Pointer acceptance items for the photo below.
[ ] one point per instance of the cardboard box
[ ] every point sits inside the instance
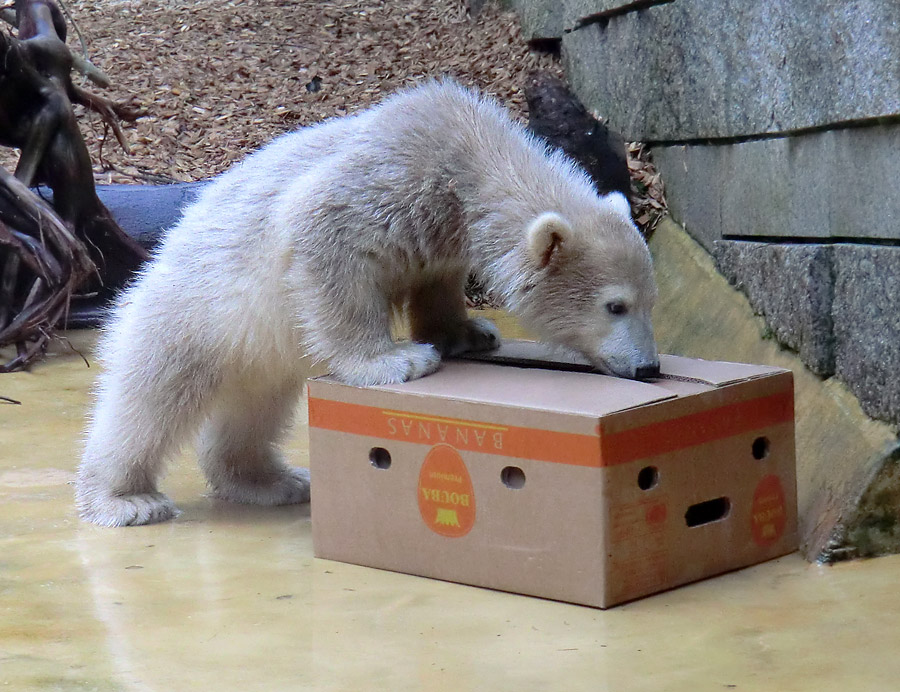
(555, 481)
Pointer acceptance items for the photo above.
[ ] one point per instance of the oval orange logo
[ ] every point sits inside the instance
(656, 514)
(768, 514)
(446, 496)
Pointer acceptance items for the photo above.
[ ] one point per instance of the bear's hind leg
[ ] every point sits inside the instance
(239, 445)
(437, 313)
(147, 403)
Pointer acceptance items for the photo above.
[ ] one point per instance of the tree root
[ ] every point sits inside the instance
(48, 253)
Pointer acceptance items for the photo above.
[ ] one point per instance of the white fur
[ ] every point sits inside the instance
(302, 252)
(617, 202)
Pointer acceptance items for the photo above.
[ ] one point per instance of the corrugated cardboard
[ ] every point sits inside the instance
(535, 475)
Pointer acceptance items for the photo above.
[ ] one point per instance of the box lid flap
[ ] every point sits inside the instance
(577, 393)
(547, 378)
(712, 372)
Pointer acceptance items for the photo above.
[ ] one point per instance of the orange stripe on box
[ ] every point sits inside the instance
(508, 441)
(547, 445)
(698, 428)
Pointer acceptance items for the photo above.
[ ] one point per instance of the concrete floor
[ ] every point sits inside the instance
(230, 598)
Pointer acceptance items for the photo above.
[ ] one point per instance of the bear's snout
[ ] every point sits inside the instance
(646, 371)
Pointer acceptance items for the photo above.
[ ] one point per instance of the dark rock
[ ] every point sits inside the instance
(867, 326)
(791, 287)
(871, 522)
(555, 114)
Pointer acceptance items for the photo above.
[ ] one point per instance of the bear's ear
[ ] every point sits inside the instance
(547, 235)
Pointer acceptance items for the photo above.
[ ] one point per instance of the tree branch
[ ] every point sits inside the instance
(109, 111)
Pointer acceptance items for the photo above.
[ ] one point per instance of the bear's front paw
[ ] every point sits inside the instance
(415, 361)
(125, 510)
(476, 334)
(287, 486)
(404, 362)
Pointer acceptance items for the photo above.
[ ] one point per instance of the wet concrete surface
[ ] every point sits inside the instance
(229, 597)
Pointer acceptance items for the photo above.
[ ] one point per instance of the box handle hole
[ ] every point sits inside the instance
(513, 477)
(380, 458)
(760, 448)
(707, 512)
(648, 477)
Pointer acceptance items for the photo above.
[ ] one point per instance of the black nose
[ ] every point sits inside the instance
(646, 371)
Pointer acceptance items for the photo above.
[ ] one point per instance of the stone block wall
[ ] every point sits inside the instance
(694, 69)
(776, 127)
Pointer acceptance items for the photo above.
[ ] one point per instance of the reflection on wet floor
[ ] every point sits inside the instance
(229, 597)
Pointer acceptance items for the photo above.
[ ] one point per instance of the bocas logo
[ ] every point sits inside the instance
(446, 495)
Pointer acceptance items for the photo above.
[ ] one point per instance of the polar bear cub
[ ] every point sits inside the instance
(302, 252)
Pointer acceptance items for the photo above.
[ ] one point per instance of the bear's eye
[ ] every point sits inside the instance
(616, 307)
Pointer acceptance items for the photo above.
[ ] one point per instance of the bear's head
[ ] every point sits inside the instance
(589, 286)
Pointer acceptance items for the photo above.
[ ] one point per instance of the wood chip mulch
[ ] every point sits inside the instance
(219, 78)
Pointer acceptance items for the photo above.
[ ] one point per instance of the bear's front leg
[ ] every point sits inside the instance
(352, 332)
(437, 313)
(390, 364)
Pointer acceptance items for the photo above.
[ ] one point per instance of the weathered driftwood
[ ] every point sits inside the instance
(48, 253)
(55, 264)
